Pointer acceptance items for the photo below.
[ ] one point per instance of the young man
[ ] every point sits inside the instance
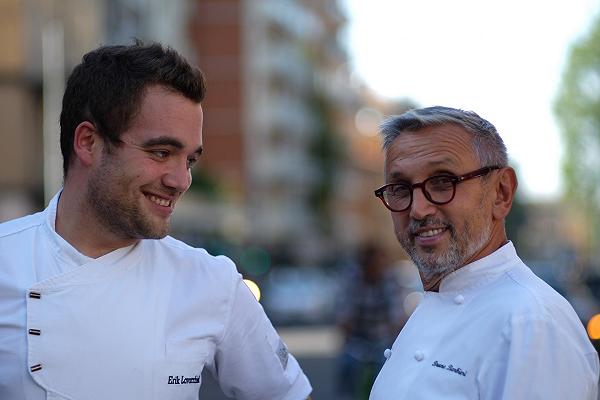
(487, 327)
(96, 301)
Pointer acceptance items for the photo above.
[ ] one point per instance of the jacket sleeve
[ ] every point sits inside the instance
(251, 360)
(537, 358)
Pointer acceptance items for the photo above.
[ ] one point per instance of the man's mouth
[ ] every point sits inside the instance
(159, 201)
(430, 232)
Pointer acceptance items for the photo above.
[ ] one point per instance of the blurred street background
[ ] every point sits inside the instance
(285, 185)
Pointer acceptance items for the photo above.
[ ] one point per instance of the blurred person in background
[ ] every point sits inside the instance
(96, 301)
(369, 315)
(487, 327)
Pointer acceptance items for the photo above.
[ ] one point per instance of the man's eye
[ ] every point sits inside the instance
(398, 190)
(159, 153)
(192, 161)
(440, 182)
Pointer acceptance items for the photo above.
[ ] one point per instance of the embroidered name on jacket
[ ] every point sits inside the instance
(182, 380)
(450, 367)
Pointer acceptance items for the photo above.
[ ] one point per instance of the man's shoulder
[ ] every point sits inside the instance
(20, 225)
(184, 256)
(177, 246)
(527, 285)
(188, 267)
(525, 296)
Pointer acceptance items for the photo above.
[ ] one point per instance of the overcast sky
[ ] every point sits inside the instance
(501, 59)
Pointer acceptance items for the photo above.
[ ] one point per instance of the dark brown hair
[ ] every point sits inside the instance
(106, 89)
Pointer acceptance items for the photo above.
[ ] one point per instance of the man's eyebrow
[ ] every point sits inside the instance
(439, 166)
(163, 141)
(167, 141)
(442, 163)
(397, 176)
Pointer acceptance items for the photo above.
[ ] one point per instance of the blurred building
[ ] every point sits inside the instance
(556, 234)
(270, 66)
(362, 218)
(20, 113)
(286, 128)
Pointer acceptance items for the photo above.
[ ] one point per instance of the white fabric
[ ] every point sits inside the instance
(494, 331)
(138, 323)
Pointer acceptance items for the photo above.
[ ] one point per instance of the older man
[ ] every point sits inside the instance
(96, 301)
(487, 327)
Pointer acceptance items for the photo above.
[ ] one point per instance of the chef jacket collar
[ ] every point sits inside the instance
(482, 271)
(64, 250)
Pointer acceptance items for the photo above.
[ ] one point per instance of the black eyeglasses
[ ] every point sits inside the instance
(438, 189)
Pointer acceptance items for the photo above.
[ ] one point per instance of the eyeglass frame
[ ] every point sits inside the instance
(379, 193)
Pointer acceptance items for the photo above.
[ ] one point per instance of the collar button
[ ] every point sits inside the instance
(459, 299)
(387, 353)
(419, 356)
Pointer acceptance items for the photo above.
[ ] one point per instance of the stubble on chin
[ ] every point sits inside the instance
(130, 222)
(120, 213)
(431, 265)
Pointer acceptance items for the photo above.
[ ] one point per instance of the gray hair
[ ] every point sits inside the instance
(487, 143)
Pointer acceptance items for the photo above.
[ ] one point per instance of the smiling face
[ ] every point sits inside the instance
(441, 238)
(133, 189)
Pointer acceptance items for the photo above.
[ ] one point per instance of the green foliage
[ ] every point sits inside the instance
(326, 153)
(206, 184)
(578, 110)
(516, 220)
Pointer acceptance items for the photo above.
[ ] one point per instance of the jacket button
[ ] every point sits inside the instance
(419, 355)
(387, 353)
(459, 299)
(35, 367)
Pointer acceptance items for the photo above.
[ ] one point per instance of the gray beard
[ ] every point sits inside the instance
(460, 250)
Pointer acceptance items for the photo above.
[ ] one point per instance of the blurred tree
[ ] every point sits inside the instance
(577, 107)
(206, 183)
(516, 219)
(327, 151)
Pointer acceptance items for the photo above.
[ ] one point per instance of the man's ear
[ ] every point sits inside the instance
(86, 143)
(505, 187)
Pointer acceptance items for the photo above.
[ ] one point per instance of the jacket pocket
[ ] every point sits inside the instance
(179, 374)
(188, 350)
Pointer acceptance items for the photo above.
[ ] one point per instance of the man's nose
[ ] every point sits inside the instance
(178, 176)
(421, 207)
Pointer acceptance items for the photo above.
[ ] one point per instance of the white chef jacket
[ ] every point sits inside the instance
(138, 323)
(494, 331)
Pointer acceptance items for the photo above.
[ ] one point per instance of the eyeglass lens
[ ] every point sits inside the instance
(437, 189)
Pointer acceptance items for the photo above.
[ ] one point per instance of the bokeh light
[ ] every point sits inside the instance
(411, 302)
(253, 288)
(593, 327)
(367, 121)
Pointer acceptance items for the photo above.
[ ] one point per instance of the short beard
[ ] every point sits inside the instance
(460, 249)
(118, 215)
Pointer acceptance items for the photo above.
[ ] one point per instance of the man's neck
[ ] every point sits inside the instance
(433, 285)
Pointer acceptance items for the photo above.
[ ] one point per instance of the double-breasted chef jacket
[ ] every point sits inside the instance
(495, 331)
(141, 322)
